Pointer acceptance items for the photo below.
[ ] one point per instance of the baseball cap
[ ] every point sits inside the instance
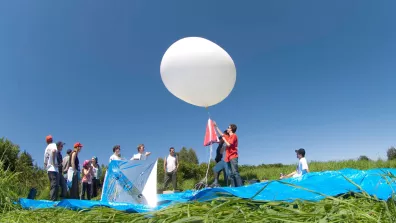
(48, 138)
(300, 151)
(78, 144)
(86, 162)
(69, 151)
(60, 143)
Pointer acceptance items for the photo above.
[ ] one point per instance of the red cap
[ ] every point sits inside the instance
(48, 138)
(77, 144)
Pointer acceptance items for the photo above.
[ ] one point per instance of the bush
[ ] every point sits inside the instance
(8, 154)
(363, 158)
(8, 188)
(391, 153)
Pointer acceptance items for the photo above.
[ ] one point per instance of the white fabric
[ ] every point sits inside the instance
(302, 165)
(139, 156)
(70, 173)
(170, 163)
(192, 68)
(49, 155)
(95, 172)
(114, 157)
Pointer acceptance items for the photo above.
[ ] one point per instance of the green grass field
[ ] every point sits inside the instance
(357, 208)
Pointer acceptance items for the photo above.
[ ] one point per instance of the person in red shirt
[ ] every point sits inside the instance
(231, 156)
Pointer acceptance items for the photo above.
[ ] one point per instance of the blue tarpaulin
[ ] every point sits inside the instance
(313, 187)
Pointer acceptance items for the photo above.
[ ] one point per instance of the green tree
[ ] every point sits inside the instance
(183, 155)
(25, 159)
(24, 163)
(188, 156)
(391, 153)
(192, 156)
(8, 154)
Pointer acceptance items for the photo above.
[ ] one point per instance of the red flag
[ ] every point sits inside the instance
(210, 136)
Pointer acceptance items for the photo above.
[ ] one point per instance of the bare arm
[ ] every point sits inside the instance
(231, 140)
(219, 131)
(53, 156)
(73, 163)
(226, 142)
(289, 175)
(217, 128)
(165, 164)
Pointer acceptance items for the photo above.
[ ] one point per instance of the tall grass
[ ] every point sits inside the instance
(351, 208)
(8, 188)
(272, 171)
(333, 209)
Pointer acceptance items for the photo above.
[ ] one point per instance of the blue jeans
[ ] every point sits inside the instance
(236, 180)
(221, 166)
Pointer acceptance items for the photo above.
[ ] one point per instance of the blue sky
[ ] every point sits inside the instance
(317, 75)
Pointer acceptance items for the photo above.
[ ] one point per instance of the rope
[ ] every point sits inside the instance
(207, 170)
(208, 112)
(210, 154)
(201, 184)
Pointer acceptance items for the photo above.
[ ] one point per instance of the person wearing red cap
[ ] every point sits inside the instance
(74, 171)
(50, 164)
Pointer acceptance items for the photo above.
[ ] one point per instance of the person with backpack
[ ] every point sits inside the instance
(60, 178)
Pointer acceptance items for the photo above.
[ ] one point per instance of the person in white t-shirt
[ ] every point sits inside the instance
(171, 164)
(141, 155)
(116, 153)
(302, 167)
(51, 165)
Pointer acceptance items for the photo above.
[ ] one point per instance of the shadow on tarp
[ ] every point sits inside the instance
(375, 182)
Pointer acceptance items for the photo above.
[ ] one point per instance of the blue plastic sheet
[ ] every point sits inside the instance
(126, 180)
(375, 182)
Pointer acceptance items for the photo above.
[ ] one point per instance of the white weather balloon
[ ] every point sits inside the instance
(198, 71)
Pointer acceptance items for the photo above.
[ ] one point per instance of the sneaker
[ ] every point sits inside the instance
(214, 185)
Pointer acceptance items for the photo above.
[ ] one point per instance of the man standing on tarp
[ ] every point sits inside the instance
(50, 164)
(61, 179)
(231, 156)
(171, 164)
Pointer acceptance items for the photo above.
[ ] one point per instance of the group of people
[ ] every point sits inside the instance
(228, 164)
(64, 173)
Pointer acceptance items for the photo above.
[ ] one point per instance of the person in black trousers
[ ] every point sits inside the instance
(97, 173)
(60, 178)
